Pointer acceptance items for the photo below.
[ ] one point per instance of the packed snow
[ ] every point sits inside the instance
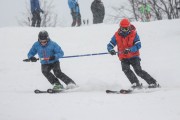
(160, 58)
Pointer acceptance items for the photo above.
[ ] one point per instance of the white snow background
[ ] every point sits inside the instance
(160, 54)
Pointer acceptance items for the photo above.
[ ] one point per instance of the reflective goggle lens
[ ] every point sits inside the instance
(124, 29)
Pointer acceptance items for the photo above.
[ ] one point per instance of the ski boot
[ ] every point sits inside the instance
(57, 87)
(71, 86)
(154, 85)
(137, 86)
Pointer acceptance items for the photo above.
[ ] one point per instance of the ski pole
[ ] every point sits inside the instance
(86, 55)
(72, 56)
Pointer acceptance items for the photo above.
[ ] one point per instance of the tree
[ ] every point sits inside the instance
(115, 14)
(160, 9)
(156, 10)
(49, 18)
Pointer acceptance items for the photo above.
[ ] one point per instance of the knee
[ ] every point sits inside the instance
(125, 69)
(58, 74)
(45, 72)
(139, 72)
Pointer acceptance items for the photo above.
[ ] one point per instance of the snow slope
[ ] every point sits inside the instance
(160, 57)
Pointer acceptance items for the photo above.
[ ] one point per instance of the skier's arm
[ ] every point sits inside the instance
(72, 5)
(58, 51)
(137, 44)
(32, 5)
(32, 52)
(112, 44)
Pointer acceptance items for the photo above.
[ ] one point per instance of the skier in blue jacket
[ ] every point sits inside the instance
(35, 10)
(49, 53)
(75, 12)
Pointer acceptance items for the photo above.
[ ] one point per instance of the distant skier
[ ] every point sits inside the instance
(145, 10)
(36, 10)
(75, 12)
(50, 52)
(128, 45)
(98, 11)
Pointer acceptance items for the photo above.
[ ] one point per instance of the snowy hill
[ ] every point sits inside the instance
(160, 57)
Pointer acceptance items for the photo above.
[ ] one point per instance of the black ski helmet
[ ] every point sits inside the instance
(43, 35)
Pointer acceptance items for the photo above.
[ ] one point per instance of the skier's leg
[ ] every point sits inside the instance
(78, 19)
(46, 68)
(128, 72)
(59, 74)
(135, 62)
(95, 20)
(33, 19)
(74, 19)
(38, 20)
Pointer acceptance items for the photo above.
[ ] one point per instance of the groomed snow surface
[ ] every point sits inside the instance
(160, 58)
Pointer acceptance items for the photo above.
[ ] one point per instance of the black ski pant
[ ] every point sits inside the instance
(135, 63)
(36, 19)
(53, 78)
(76, 19)
(98, 19)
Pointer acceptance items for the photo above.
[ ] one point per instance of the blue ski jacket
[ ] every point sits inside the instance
(74, 6)
(35, 6)
(50, 49)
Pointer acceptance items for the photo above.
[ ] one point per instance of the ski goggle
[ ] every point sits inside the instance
(43, 41)
(124, 29)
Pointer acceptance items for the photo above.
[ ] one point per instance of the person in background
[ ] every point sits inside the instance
(75, 12)
(145, 10)
(36, 10)
(49, 53)
(98, 11)
(128, 45)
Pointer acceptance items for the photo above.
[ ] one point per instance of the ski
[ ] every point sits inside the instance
(122, 91)
(37, 91)
(129, 91)
(51, 91)
(55, 91)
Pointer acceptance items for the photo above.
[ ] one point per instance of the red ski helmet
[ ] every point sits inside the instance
(125, 23)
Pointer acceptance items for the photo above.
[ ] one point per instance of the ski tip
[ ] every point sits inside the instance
(107, 91)
(111, 91)
(37, 91)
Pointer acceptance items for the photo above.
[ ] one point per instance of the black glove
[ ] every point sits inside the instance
(33, 59)
(51, 57)
(126, 51)
(112, 52)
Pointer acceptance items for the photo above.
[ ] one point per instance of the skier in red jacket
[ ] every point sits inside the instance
(128, 45)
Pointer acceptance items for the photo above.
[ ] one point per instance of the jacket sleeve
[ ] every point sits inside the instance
(72, 4)
(58, 51)
(33, 51)
(32, 6)
(137, 44)
(93, 7)
(35, 6)
(111, 44)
